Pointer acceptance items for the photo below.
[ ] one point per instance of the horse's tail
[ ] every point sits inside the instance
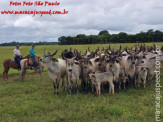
(6, 66)
(24, 65)
(6, 63)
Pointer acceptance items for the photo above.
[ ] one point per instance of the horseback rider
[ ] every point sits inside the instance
(32, 56)
(17, 57)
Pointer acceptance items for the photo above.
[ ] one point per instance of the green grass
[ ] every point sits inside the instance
(34, 100)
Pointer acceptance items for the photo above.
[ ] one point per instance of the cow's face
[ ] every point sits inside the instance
(91, 77)
(112, 60)
(85, 63)
(49, 57)
(100, 61)
(144, 69)
(142, 58)
(132, 58)
(70, 64)
(46, 59)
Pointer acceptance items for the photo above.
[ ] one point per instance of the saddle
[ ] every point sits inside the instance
(13, 61)
(30, 62)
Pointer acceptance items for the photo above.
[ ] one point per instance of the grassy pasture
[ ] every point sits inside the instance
(33, 100)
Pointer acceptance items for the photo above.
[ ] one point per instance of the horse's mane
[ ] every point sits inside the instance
(27, 56)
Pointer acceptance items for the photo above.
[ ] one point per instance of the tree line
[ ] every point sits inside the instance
(104, 37)
(27, 43)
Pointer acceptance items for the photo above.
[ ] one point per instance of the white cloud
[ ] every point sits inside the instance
(87, 17)
(27, 21)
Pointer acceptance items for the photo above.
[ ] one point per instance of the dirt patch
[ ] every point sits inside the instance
(27, 74)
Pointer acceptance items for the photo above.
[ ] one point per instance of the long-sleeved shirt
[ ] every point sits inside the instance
(32, 52)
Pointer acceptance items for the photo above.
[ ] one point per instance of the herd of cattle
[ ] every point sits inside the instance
(99, 68)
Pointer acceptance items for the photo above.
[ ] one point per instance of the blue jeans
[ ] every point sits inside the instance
(17, 60)
(34, 61)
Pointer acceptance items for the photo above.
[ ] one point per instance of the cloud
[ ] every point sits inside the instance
(27, 21)
(86, 17)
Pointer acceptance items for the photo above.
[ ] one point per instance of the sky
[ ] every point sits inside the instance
(84, 17)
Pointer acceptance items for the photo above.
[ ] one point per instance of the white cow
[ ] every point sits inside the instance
(56, 69)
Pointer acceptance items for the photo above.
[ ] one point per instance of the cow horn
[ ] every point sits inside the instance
(75, 54)
(150, 49)
(144, 44)
(85, 53)
(154, 47)
(92, 55)
(117, 53)
(127, 51)
(98, 47)
(103, 49)
(120, 48)
(96, 52)
(109, 48)
(63, 55)
(55, 52)
(44, 51)
(89, 49)
(70, 49)
(138, 51)
(83, 56)
(162, 48)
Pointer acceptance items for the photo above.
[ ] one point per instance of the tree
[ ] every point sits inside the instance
(62, 40)
(104, 32)
(122, 37)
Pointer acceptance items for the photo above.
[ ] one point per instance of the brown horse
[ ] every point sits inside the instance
(9, 63)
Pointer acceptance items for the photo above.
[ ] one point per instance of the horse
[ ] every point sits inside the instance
(28, 64)
(9, 63)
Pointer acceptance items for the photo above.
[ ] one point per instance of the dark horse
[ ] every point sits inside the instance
(10, 63)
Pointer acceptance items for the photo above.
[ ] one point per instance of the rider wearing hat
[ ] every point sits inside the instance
(17, 56)
(32, 55)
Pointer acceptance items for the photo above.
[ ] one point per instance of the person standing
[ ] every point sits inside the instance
(17, 56)
(33, 55)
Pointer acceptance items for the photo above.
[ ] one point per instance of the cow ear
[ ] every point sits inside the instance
(107, 61)
(54, 60)
(147, 68)
(129, 58)
(90, 63)
(81, 61)
(97, 60)
(123, 54)
(88, 76)
(119, 58)
(153, 58)
(141, 68)
(117, 61)
(93, 76)
(90, 71)
(76, 62)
